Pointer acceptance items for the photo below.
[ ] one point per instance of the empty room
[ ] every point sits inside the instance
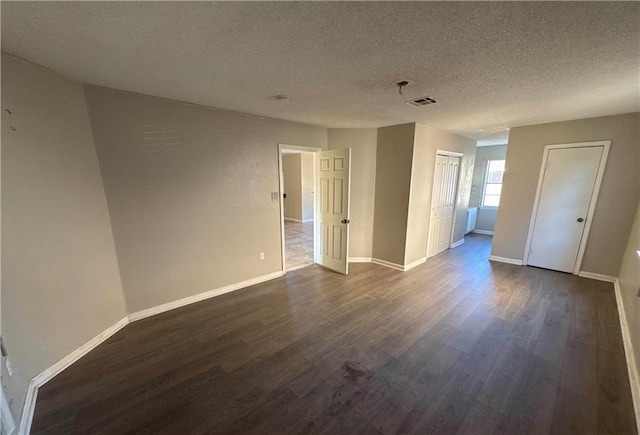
(320, 217)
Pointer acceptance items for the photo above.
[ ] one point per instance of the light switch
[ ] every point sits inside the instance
(275, 196)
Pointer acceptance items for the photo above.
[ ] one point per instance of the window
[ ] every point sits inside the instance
(493, 183)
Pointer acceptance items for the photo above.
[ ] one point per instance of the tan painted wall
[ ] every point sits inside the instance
(307, 186)
(629, 277)
(394, 156)
(618, 195)
(191, 210)
(363, 180)
(60, 280)
(292, 174)
(427, 142)
(486, 216)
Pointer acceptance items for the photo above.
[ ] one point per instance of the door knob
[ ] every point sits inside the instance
(580, 220)
(345, 221)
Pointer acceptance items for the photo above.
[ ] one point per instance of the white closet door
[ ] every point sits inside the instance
(567, 188)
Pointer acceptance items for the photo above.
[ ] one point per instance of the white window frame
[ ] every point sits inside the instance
(485, 178)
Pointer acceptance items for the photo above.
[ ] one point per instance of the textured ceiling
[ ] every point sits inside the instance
(491, 66)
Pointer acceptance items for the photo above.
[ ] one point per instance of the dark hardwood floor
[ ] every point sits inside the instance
(457, 345)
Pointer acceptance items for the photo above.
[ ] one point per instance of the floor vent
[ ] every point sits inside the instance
(422, 101)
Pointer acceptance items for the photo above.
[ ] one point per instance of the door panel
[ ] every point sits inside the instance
(443, 202)
(567, 186)
(334, 173)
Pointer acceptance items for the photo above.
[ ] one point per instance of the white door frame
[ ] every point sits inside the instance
(306, 150)
(455, 198)
(606, 144)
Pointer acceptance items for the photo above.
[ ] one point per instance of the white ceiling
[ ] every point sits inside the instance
(490, 65)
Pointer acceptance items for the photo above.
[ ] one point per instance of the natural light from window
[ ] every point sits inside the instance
(493, 183)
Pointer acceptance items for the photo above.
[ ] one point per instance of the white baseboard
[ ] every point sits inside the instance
(143, 314)
(416, 263)
(359, 259)
(632, 367)
(48, 374)
(303, 221)
(456, 244)
(388, 264)
(400, 267)
(505, 260)
(597, 276)
(488, 233)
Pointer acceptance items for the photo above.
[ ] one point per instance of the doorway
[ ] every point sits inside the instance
(566, 196)
(298, 196)
(322, 236)
(443, 202)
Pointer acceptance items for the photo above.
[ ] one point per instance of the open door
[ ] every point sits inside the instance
(334, 168)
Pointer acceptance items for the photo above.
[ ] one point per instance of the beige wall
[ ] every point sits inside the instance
(190, 207)
(427, 142)
(363, 179)
(307, 173)
(486, 216)
(394, 156)
(618, 197)
(60, 280)
(629, 277)
(292, 174)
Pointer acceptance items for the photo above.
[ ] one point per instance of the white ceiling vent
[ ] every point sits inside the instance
(422, 101)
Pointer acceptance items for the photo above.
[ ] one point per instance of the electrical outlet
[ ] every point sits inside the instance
(7, 364)
(262, 256)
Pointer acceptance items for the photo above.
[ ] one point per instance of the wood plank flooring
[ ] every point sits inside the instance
(457, 345)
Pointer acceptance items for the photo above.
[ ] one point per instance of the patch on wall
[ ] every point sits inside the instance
(159, 140)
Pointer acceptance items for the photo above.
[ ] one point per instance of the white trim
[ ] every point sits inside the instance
(359, 259)
(418, 262)
(306, 150)
(8, 423)
(388, 264)
(298, 220)
(632, 367)
(400, 267)
(605, 144)
(488, 233)
(456, 244)
(485, 175)
(597, 276)
(449, 153)
(48, 374)
(505, 260)
(305, 221)
(143, 314)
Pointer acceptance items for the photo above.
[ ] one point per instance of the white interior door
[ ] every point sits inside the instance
(334, 169)
(443, 202)
(564, 201)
